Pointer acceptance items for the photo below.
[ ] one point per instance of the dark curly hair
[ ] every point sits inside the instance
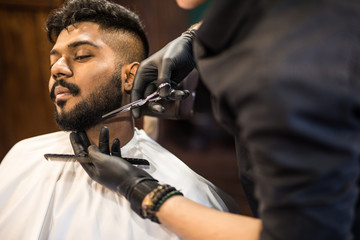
(109, 16)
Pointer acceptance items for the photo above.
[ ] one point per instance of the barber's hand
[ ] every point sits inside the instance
(170, 64)
(112, 171)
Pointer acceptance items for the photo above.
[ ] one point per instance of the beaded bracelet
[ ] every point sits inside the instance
(153, 201)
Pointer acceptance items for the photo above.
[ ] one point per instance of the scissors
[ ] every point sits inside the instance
(138, 103)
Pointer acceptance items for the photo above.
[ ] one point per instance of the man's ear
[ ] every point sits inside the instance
(129, 76)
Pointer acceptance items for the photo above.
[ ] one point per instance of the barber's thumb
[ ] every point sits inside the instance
(96, 155)
(136, 112)
(89, 169)
(77, 145)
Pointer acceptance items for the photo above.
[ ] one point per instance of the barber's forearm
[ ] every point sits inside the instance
(190, 220)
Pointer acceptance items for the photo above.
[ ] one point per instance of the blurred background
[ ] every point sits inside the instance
(26, 109)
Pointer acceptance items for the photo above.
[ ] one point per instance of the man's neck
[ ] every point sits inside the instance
(120, 126)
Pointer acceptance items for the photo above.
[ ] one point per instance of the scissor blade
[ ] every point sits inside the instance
(125, 108)
(150, 98)
(116, 111)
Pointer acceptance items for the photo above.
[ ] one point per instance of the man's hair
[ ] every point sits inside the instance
(110, 16)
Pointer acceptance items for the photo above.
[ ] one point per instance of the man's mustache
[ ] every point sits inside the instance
(74, 90)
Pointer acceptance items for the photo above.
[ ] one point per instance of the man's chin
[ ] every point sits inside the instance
(63, 110)
(69, 121)
(65, 126)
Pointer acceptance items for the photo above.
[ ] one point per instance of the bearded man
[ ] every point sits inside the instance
(97, 49)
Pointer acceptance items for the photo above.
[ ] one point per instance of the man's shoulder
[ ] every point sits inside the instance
(51, 140)
(146, 143)
(36, 147)
(46, 137)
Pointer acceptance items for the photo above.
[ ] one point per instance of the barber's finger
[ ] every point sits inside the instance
(156, 107)
(84, 139)
(145, 74)
(104, 140)
(151, 88)
(136, 112)
(153, 106)
(77, 144)
(135, 96)
(164, 76)
(115, 148)
(178, 94)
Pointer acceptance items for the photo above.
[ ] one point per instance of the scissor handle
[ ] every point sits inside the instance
(163, 85)
(138, 103)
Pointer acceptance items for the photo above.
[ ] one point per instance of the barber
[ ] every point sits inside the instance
(285, 81)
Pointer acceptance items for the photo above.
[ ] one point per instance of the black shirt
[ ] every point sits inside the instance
(285, 79)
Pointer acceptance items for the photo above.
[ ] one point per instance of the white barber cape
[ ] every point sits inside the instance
(42, 199)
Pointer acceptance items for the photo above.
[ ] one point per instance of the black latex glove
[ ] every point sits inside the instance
(112, 171)
(170, 64)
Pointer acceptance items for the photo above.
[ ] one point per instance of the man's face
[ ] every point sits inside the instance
(85, 80)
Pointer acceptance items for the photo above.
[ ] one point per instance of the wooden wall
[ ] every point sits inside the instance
(24, 69)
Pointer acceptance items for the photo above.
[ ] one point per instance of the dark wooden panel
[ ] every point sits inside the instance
(32, 3)
(24, 66)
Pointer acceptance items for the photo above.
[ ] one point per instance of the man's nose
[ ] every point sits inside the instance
(61, 69)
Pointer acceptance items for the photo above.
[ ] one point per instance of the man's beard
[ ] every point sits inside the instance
(89, 111)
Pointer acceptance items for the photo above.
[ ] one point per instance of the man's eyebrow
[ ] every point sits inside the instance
(75, 45)
(53, 52)
(79, 43)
